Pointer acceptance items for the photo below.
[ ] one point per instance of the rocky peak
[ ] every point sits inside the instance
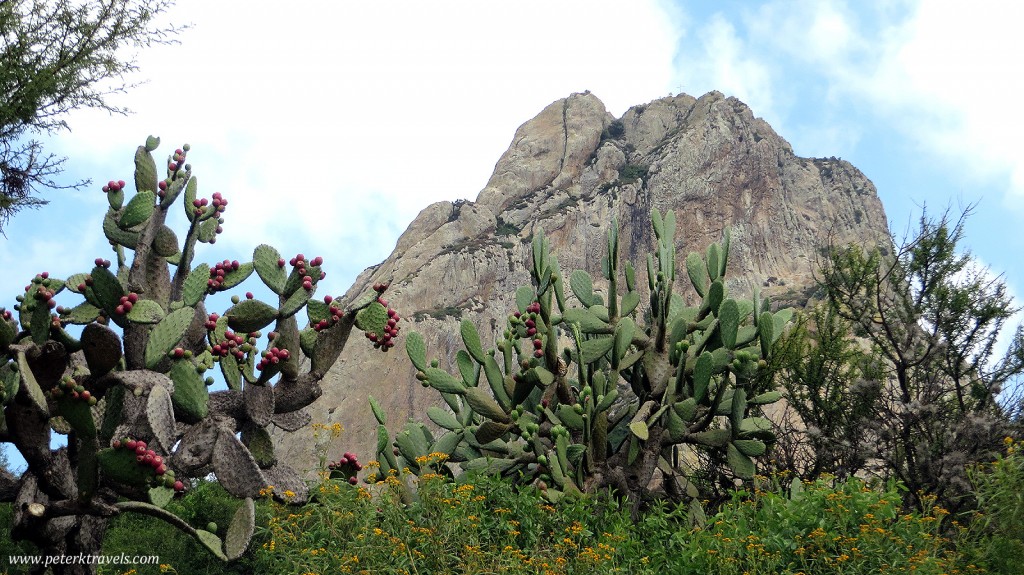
(571, 170)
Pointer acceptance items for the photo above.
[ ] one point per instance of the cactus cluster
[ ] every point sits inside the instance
(600, 391)
(135, 405)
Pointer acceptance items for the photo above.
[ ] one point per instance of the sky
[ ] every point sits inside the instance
(328, 128)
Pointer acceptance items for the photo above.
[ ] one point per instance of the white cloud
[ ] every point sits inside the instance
(722, 60)
(329, 127)
(940, 72)
(951, 72)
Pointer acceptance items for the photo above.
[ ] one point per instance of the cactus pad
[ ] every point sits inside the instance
(250, 315)
(265, 260)
(243, 524)
(235, 467)
(166, 335)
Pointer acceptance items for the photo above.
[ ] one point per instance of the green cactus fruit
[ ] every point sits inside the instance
(166, 335)
(191, 396)
(138, 210)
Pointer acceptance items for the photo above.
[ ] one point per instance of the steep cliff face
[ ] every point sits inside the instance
(570, 171)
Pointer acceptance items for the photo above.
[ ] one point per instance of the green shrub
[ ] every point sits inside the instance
(487, 525)
(994, 538)
(206, 503)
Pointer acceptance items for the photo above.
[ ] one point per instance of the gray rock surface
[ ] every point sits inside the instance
(570, 171)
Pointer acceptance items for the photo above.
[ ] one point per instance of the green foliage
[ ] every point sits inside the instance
(488, 525)
(932, 319)
(630, 173)
(57, 56)
(833, 387)
(602, 395)
(994, 537)
(818, 527)
(207, 502)
(135, 405)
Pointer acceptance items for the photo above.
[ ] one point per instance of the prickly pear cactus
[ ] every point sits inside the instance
(601, 392)
(132, 391)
